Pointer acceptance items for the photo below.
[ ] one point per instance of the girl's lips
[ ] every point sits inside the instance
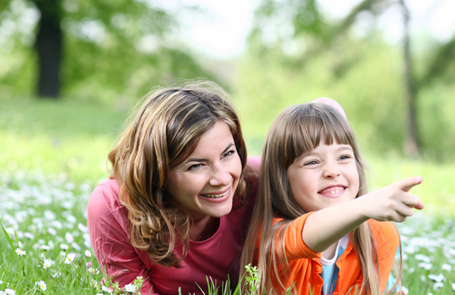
(333, 191)
(217, 197)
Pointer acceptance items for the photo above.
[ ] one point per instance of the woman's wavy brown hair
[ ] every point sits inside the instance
(298, 130)
(161, 134)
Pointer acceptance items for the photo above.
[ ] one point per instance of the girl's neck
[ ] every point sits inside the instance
(204, 228)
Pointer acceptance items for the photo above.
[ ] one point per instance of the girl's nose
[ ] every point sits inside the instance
(220, 177)
(331, 171)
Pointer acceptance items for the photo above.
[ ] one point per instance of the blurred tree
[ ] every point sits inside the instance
(98, 48)
(298, 31)
(48, 46)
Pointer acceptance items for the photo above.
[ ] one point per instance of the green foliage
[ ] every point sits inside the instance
(112, 49)
(364, 76)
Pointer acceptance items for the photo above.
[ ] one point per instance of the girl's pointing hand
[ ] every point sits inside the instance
(393, 202)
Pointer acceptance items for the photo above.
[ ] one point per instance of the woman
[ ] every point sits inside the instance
(175, 207)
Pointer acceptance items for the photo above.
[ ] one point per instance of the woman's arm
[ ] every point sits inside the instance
(107, 225)
(391, 203)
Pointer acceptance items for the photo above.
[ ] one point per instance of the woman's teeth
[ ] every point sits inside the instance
(215, 196)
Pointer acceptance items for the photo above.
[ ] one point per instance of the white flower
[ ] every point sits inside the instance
(446, 267)
(51, 231)
(88, 253)
(131, 288)
(29, 235)
(47, 263)
(424, 265)
(69, 238)
(405, 290)
(82, 227)
(70, 258)
(45, 248)
(423, 258)
(106, 289)
(453, 286)
(93, 270)
(437, 286)
(1, 282)
(19, 252)
(436, 278)
(10, 292)
(42, 285)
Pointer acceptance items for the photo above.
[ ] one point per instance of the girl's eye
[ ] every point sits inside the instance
(312, 162)
(228, 153)
(345, 157)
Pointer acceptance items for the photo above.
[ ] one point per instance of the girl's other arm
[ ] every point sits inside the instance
(391, 203)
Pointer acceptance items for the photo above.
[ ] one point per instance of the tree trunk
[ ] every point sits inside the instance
(411, 140)
(48, 46)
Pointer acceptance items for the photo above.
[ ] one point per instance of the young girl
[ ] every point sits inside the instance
(310, 231)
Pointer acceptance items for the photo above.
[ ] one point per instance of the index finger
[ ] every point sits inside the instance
(408, 183)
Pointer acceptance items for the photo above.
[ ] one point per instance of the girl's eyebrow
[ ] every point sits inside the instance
(345, 147)
(203, 160)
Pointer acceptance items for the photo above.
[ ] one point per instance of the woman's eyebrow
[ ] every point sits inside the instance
(203, 159)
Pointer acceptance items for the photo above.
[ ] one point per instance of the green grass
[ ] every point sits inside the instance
(66, 139)
(53, 153)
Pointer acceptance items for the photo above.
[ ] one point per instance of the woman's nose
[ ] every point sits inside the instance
(220, 177)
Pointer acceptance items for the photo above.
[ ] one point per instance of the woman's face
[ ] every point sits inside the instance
(204, 184)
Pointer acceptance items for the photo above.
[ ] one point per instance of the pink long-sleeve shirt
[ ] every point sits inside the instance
(217, 257)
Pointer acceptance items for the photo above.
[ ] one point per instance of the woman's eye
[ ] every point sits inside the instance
(195, 166)
(228, 153)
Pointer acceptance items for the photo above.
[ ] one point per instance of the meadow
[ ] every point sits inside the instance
(54, 153)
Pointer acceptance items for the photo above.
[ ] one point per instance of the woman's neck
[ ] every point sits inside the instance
(204, 228)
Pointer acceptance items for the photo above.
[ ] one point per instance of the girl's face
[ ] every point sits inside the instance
(324, 177)
(204, 184)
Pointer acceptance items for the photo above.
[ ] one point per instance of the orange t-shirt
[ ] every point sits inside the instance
(305, 268)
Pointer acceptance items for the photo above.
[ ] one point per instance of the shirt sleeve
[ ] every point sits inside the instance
(295, 247)
(107, 225)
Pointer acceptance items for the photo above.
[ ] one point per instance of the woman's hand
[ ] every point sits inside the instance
(393, 202)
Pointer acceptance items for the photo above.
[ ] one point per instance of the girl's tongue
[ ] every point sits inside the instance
(332, 191)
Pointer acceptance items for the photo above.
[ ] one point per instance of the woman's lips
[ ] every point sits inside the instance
(217, 197)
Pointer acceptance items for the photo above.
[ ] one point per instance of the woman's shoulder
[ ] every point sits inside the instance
(104, 198)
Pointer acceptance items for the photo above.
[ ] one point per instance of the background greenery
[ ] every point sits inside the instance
(114, 53)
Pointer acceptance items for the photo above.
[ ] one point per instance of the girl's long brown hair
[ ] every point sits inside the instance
(297, 130)
(163, 132)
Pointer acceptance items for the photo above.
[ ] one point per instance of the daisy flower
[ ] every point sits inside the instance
(47, 263)
(93, 270)
(42, 285)
(106, 289)
(70, 258)
(19, 252)
(131, 288)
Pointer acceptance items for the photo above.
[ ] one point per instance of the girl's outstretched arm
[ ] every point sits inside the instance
(391, 203)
